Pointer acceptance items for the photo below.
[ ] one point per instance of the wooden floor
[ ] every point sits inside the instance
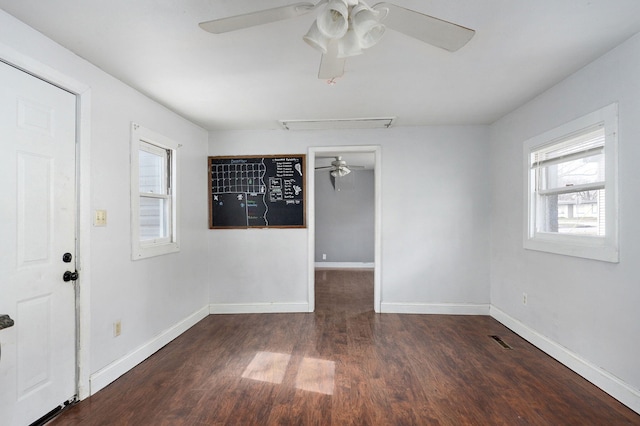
(345, 365)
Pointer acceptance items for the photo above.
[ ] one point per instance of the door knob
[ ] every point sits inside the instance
(6, 321)
(70, 276)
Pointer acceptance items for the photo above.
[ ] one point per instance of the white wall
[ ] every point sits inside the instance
(344, 214)
(151, 297)
(584, 311)
(435, 207)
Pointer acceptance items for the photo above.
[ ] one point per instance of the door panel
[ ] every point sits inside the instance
(37, 226)
(33, 199)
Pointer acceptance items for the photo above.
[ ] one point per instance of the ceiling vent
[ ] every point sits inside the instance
(346, 123)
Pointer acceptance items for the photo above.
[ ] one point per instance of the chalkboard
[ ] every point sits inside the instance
(257, 192)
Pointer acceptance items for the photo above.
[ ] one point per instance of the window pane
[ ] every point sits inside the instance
(574, 172)
(152, 171)
(154, 223)
(574, 213)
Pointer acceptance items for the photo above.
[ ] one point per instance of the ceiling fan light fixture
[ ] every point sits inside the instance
(366, 24)
(340, 172)
(369, 33)
(351, 23)
(333, 21)
(349, 45)
(316, 38)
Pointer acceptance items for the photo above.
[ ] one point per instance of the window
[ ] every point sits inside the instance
(571, 191)
(154, 221)
(569, 185)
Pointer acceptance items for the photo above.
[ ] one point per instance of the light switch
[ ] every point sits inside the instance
(100, 218)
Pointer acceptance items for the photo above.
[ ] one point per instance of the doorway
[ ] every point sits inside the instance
(335, 151)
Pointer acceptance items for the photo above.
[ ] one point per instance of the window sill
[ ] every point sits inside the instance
(144, 252)
(594, 248)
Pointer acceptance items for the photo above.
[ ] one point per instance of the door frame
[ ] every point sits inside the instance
(82, 92)
(376, 150)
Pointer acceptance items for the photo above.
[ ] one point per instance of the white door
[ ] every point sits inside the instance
(37, 227)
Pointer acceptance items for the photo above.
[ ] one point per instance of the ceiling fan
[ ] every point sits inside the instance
(338, 167)
(343, 28)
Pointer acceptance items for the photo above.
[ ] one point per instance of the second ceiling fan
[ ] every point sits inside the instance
(339, 167)
(344, 28)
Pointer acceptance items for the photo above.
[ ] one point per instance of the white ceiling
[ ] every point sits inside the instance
(252, 78)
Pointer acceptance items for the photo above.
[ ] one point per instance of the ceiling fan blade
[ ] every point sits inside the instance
(330, 65)
(434, 31)
(325, 167)
(238, 22)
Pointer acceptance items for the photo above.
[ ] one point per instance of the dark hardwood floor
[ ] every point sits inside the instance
(346, 365)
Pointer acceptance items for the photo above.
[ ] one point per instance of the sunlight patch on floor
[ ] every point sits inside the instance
(316, 375)
(267, 367)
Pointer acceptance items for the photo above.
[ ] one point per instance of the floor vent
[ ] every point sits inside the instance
(501, 342)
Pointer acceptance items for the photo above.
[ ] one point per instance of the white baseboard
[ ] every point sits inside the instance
(258, 308)
(345, 265)
(436, 308)
(599, 377)
(111, 372)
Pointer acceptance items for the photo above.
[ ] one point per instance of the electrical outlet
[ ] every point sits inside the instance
(100, 218)
(117, 328)
(324, 256)
(524, 298)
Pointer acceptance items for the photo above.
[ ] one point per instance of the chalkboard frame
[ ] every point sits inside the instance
(301, 215)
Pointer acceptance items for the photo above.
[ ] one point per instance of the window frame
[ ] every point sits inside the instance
(140, 138)
(603, 248)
